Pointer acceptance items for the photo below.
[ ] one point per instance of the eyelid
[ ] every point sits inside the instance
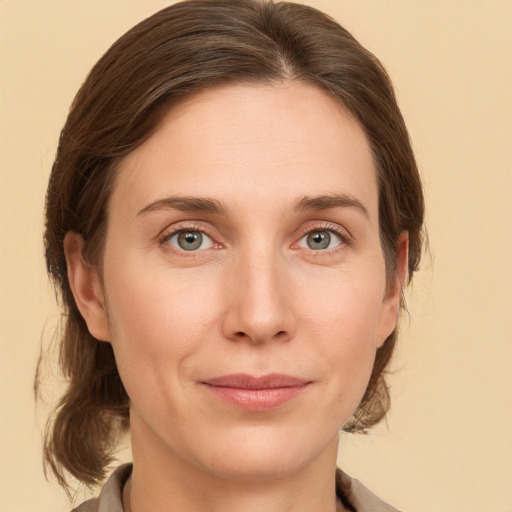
(166, 234)
(303, 241)
(205, 239)
(344, 235)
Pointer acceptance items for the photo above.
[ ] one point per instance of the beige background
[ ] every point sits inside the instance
(448, 443)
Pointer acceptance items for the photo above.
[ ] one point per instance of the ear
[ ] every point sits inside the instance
(86, 287)
(393, 298)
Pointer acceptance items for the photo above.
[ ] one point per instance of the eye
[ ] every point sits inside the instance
(189, 240)
(320, 240)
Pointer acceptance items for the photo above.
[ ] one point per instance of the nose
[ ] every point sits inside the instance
(259, 301)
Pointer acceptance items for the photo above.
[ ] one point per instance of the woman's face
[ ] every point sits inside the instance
(244, 280)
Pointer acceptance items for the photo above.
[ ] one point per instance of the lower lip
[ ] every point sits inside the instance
(256, 399)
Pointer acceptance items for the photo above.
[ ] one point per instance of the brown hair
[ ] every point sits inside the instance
(182, 49)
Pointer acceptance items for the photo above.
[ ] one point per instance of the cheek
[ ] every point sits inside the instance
(344, 320)
(346, 305)
(157, 322)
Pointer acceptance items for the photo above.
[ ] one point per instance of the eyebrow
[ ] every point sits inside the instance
(209, 205)
(327, 202)
(186, 204)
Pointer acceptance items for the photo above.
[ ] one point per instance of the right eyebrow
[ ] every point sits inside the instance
(186, 204)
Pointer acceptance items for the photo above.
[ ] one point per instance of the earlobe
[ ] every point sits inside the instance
(86, 287)
(393, 299)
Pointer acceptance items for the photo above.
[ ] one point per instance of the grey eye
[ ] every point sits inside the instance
(320, 240)
(189, 240)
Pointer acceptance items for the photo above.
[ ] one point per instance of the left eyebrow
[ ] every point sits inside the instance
(186, 204)
(330, 201)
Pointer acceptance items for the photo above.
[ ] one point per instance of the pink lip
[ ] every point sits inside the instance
(256, 393)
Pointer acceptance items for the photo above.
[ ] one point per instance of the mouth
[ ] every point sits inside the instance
(256, 393)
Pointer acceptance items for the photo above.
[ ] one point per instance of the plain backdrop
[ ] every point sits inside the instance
(447, 443)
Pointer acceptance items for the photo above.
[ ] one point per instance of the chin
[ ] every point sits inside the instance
(261, 456)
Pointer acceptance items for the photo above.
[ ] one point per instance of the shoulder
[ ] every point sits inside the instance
(357, 497)
(110, 498)
(87, 506)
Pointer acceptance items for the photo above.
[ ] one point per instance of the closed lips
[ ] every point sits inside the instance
(256, 394)
(243, 381)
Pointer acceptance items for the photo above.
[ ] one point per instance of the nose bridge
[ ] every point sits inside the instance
(259, 307)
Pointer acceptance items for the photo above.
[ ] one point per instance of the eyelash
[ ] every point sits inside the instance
(344, 236)
(167, 235)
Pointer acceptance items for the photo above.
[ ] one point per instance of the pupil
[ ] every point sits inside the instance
(190, 240)
(319, 240)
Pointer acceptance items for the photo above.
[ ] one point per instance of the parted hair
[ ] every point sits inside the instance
(183, 49)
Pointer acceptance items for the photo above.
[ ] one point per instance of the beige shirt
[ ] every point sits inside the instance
(110, 498)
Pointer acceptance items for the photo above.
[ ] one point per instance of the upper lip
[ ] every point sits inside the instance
(244, 381)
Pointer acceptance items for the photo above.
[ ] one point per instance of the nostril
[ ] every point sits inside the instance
(243, 335)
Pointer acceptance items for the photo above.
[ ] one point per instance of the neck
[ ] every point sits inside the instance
(165, 481)
(247, 504)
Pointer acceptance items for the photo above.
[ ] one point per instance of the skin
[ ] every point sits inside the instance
(255, 298)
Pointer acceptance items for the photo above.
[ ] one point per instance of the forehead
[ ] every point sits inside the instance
(278, 141)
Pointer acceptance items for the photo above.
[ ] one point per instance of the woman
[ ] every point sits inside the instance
(232, 214)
